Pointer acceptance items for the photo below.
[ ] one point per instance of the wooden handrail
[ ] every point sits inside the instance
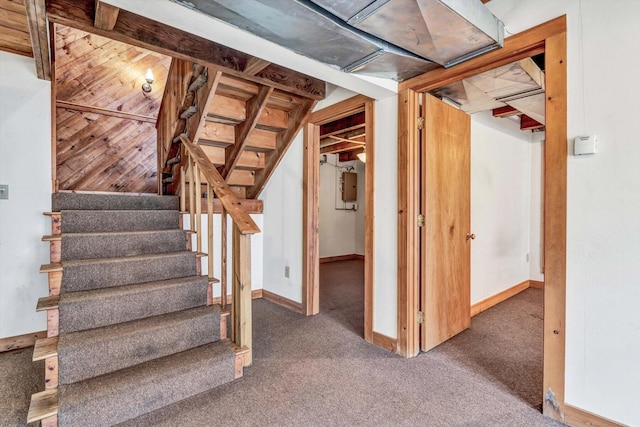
(231, 204)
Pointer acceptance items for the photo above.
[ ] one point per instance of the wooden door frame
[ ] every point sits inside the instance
(549, 38)
(311, 205)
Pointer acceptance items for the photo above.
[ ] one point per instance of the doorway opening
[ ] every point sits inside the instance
(343, 132)
(549, 38)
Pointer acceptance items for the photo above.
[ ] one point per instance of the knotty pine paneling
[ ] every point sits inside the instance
(105, 153)
(14, 29)
(98, 152)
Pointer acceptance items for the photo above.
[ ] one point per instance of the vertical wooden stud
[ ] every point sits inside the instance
(210, 231)
(55, 280)
(223, 259)
(51, 373)
(555, 225)
(183, 191)
(311, 219)
(192, 206)
(197, 194)
(53, 317)
(241, 307)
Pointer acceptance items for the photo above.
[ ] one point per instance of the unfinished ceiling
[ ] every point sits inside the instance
(345, 137)
(105, 123)
(396, 39)
(513, 89)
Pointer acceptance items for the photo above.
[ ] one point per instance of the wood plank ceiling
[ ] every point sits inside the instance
(14, 29)
(105, 123)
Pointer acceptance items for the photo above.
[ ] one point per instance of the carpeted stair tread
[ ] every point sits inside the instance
(84, 201)
(86, 221)
(77, 246)
(82, 275)
(125, 394)
(107, 306)
(94, 352)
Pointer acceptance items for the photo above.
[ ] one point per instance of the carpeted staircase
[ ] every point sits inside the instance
(129, 328)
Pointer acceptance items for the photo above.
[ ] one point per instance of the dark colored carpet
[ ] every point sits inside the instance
(319, 371)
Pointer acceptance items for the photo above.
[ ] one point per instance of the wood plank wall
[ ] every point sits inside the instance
(14, 29)
(106, 136)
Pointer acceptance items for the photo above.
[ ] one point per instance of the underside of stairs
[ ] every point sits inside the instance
(128, 321)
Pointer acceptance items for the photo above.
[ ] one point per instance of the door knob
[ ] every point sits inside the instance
(471, 236)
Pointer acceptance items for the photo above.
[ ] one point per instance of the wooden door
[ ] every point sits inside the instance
(445, 245)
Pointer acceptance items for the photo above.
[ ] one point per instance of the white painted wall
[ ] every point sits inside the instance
(500, 204)
(338, 221)
(537, 204)
(603, 218)
(25, 147)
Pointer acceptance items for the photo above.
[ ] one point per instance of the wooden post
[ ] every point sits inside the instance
(183, 191)
(241, 307)
(210, 231)
(192, 202)
(223, 259)
(197, 194)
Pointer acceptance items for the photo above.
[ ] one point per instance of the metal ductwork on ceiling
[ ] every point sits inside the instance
(395, 39)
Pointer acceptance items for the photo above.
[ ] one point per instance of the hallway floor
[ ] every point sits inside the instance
(313, 371)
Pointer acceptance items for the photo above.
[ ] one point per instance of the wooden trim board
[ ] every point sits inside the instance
(536, 284)
(21, 341)
(349, 257)
(550, 38)
(577, 417)
(385, 342)
(311, 179)
(496, 299)
(284, 302)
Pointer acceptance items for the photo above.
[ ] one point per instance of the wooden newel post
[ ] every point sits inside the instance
(241, 305)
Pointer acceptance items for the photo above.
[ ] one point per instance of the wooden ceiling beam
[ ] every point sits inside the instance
(527, 123)
(39, 33)
(341, 125)
(348, 156)
(143, 32)
(505, 111)
(341, 147)
(255, 65)
(255, 107)
(106, 15)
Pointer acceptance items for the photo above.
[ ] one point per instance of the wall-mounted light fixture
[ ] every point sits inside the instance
(146, 87)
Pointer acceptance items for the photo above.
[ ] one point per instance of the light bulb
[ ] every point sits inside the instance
(149, 76)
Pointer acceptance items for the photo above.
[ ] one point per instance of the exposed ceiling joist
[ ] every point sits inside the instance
(507, 111)
(340, 147)
(527, 123)
(106, 15)
(255, 65)
(39, 32)
(143, 32)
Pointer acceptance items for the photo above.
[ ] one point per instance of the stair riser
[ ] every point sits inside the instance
(109, 245)
(98, 311)
(114, 221)
(82, 277)
(147, 387)
(88, 358)
(79, 201)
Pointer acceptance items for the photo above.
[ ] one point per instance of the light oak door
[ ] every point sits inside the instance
(445, 237)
